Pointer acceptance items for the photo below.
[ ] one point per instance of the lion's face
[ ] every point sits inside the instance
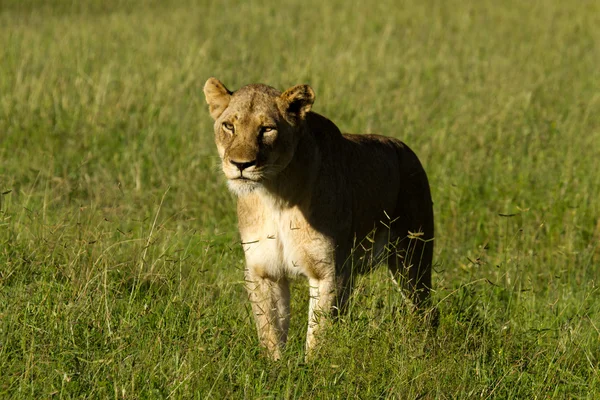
(254, 141)
(256, 130)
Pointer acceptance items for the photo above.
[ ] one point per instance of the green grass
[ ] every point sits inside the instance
(120, 265)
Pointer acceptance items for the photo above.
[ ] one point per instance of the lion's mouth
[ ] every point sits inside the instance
(243, 184)
(247, 176)
(243, 178)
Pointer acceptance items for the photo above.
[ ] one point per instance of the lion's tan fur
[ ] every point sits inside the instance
(309, 198)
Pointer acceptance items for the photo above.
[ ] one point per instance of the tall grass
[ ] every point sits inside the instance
(120, 265)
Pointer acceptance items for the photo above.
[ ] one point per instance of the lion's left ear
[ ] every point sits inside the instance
(297, 101)
(217, 97)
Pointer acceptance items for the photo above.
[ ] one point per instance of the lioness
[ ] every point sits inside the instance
(315, 202)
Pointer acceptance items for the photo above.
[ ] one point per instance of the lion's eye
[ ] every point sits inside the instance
(228, 127)
(267, 129)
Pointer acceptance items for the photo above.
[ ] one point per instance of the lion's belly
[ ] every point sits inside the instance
(304, 250)
(283, 243)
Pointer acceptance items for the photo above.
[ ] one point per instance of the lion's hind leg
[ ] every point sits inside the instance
(409, 261)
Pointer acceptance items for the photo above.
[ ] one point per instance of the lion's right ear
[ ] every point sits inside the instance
(297, 101)
(217, 97)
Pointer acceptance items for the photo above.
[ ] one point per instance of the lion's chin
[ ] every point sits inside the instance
(241, 187)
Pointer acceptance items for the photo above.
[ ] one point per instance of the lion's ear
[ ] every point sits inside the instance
(217, 97)
(297, 101)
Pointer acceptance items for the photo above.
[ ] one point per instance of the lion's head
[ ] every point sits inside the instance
(257, 129)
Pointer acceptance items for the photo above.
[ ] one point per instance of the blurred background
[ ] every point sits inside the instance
(120, 265)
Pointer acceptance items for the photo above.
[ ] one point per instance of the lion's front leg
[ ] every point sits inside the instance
(322, 297)
(270, 304)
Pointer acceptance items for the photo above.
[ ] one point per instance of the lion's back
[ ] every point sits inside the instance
(368, 178)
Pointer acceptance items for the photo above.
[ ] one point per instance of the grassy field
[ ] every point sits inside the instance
(120, 265)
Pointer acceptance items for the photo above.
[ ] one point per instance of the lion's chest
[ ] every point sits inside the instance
(281, 242)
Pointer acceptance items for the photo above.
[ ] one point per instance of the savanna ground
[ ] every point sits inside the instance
(120, 265)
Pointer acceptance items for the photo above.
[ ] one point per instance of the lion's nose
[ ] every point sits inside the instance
(242, 165)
